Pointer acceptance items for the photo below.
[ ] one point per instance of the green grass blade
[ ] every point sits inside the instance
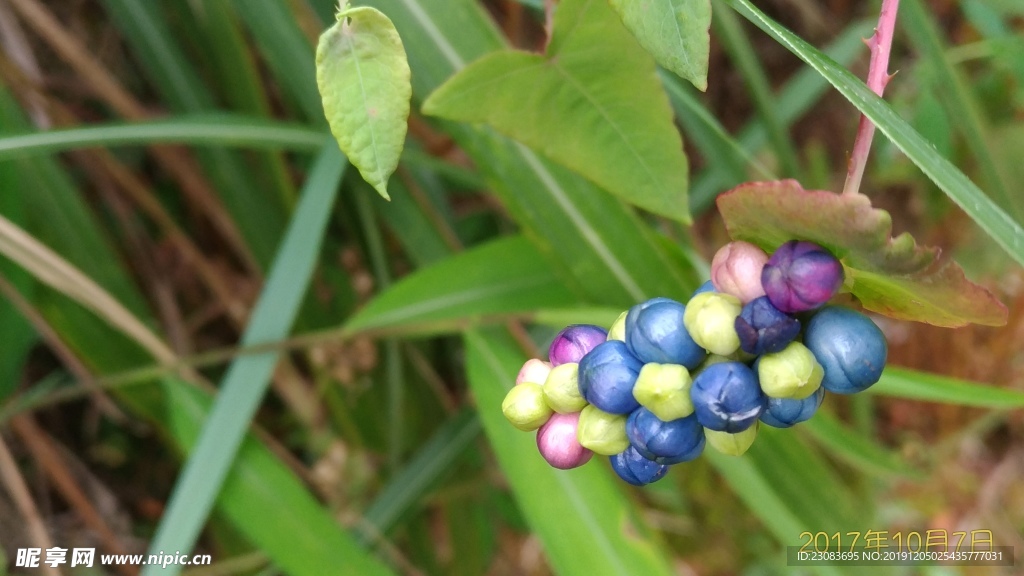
(858, 451)
(985, 213)
(959, 101)
(503, 277)
(582, 517)
(192, 129)
(903, 383)
(266, 501)
(288, 53)
(433, 459)
(738, 46)
(246, 380)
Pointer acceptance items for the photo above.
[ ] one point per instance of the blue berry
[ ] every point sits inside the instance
(655, 333)
(670, 442)
(801, 276)
(785, 412)
(727, 398)
(632, 467)
(763, 328)
(606, 376)
(849, 346)
(708, 286)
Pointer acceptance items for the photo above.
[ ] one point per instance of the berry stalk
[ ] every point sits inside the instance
(880, 44)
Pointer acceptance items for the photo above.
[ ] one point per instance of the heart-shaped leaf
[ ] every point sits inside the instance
(364, 82)
(675, 32)
(891, 276)
(593, 102)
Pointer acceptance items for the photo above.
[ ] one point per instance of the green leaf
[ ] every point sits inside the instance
(246, 380)
(891, 276)
(364, 82)
(585, 522)
(985, 213)
(502, 277)
(903, 383)
(675, 32)
(265, 499)
(594, 80)
(859, 451)
(193, 129)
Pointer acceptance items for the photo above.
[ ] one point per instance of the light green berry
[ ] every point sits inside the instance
(791, 373)
(562, 389)
(710, 319)
(731, 444)
(618, 329)
(664, 389)
(601, 432)
(524, 406)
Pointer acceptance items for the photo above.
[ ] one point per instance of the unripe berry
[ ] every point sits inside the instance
(557, 442)
(573, 343)
(732, 444)
(524, 406)
(736, 269)
(670, 442)
(562, 390)
(664, 389)
(791, 373)
(655, 333)
(786, 412)
(801, 276)
(763, 329)
(602, 432)
(632, 467)
(618, 329)
(607, 375)
(727, 398)
(849, 346)
(710, 318)
(534, 370)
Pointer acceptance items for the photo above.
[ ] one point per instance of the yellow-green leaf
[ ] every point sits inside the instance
(365, 86)
(593, 102)
(675, 32)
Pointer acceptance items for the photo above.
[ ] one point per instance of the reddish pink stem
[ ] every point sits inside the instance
(880, 44)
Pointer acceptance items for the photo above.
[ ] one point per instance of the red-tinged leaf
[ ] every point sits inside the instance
(891, 276)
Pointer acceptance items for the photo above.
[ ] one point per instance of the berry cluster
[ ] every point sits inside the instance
(755, 343)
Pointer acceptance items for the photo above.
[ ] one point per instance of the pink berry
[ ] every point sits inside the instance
(557, 442)
(736, 270)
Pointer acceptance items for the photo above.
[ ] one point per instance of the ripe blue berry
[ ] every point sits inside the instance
(606, 377)
(785, 412)
(763, 328)
(655, 333)
(727, 398)
(573, 343)
(849, 346)
(632, 467)
(801, 276)
(670, 442)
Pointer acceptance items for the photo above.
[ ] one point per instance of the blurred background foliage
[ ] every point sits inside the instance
(175, 216)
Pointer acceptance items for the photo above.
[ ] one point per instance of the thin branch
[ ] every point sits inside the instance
(16, 487)
(880, 44)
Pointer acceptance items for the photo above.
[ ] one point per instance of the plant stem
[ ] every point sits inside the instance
(880, 44)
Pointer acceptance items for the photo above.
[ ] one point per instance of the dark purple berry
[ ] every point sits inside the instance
(573, 343)
(763, 328)
(801, 276)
